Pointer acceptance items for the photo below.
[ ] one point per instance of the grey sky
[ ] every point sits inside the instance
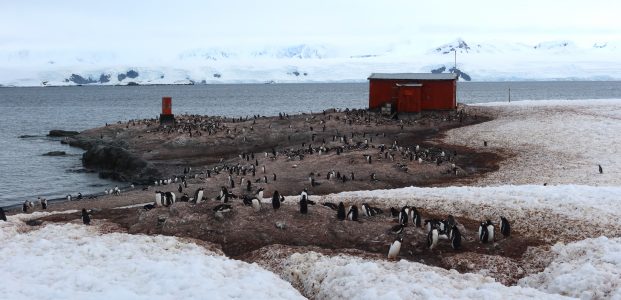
(173, 25)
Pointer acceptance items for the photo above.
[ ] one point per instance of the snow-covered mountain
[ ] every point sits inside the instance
(485, 61)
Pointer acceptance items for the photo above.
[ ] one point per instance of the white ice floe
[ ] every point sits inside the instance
(77, 262)
(588, 269)
(347, 277)
(554, 141)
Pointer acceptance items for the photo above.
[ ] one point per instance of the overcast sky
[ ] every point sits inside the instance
(114, 24)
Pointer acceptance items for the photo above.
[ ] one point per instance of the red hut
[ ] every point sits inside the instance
(413, 92)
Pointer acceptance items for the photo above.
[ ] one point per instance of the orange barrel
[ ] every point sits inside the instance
(167, 105)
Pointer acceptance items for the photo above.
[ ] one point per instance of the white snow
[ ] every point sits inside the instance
(554, 141)
(77, 262)
(348, 277)
(313, 62)
(588, 269)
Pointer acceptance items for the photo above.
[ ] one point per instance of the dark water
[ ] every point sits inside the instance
(34, 111)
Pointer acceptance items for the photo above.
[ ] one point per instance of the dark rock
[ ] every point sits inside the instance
(119, 164)
(103, 78)
(120, 77)
(55, 153)
(62, 133)
(34, 222)
(131, 83)
(75, 78)
(217, 75)
(25, 136)
(132, 74)
(438, 70)
(460, 73)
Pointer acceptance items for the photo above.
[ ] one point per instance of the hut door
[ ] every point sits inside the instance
(409, 99)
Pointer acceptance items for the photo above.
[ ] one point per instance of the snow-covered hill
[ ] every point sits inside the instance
(485, 61)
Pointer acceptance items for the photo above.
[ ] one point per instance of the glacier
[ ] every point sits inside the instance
(304, 62)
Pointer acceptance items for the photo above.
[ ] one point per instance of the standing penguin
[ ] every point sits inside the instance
(432, 237)
(25, 207)
(44, 203)
(416, 219)
(2, 214)
(395, 248)
(198, 195)
(259, 193)
(86, 219)
(276, 200)
(483, 234)
(158, 198)
(340, 212)
(600, 169)
(455, 237)
(490, 231)
(505, 228)
(366, 211)
(403, 216)
(352, 215)
(303, 205)
(180, 189)
(256, 204)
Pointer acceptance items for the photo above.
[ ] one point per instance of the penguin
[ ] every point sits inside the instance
(25, 207)
(490, 231)
(260, 193)
(68, 197)
(340, 213)
(276, 200)
(304, 194)
(397, 229)
(198, 195)
(256, 204)
(432, 237)
(450, 222)
(505, 228)
(394, 212)
(303, 205)
(168, 199)
(403, 216)
(185, 198)
(395, 248)
(148, 207)
(44, 203)
(86, 219)
(224, 195)
(248, 186)
(158, 198)
(2, 214)
(222, 208)
(416, 219)
(600, 169)
(330, 205)
(455, 237)
(366, 211)
(180, 189)
(352, 214)
(483, 234)
(376, 211)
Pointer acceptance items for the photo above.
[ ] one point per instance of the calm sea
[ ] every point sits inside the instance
(26, 173)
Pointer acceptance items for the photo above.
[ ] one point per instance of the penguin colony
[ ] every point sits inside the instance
(244, 172)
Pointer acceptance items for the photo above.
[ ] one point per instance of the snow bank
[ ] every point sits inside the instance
(72, 261)
(589, 269)
(591, 211)
(348, 277)
(554, 141)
